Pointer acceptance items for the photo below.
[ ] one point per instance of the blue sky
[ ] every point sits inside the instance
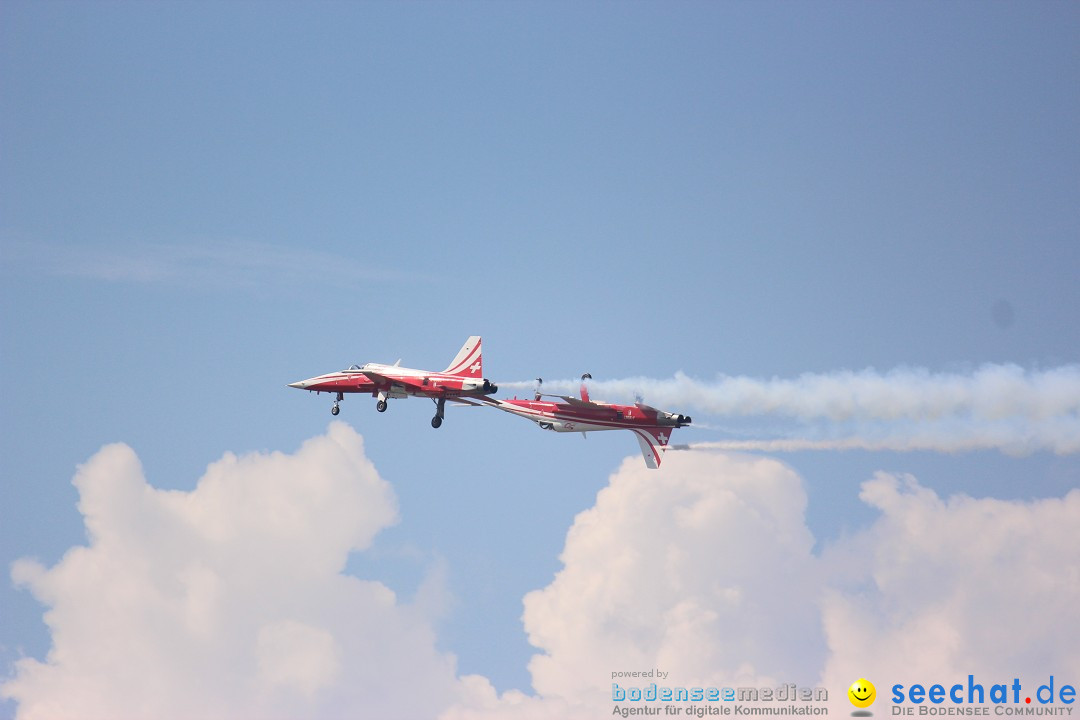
(201, 203)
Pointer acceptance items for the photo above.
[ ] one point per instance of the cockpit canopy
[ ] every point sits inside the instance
(352, 368)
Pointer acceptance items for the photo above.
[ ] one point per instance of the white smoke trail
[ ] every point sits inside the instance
(1019, 444)
(996, 406)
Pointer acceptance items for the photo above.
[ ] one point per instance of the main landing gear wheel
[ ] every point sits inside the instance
(381, 406)
(440, 409)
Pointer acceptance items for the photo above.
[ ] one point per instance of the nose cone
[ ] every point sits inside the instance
(300, 384)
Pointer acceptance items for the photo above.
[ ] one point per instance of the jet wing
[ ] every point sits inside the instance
(405, 382)
(379, 378)
(576, 402)
(653, 442)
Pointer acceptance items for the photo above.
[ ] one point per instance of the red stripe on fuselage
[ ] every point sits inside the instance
(340, 382)
(601, 418)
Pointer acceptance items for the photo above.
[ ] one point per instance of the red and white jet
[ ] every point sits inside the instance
(463, 378)
(651, 426)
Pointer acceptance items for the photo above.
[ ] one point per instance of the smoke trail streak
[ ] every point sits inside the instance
(996, 406)
(1012, 445)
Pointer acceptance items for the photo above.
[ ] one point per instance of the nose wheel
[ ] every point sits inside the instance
(381, 406)
(335, 409)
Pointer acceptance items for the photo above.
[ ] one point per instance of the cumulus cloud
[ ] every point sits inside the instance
(996, 406)
(230, 600)
(940, 588)
(705, 570)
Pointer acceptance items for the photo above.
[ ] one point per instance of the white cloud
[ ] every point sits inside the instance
(704, 570)
(937, 589)
(229, 600)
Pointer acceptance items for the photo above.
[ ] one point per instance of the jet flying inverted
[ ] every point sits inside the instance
(463, 378)
(652, 427)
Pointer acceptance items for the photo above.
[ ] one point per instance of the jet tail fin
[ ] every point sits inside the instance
(653, 442)
(467, 363)
(584, 388)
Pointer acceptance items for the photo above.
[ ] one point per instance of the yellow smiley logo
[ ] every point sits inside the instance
(862, 693)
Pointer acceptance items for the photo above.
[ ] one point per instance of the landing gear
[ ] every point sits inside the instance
(440, 408)
(381, 406)
(335, 410)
